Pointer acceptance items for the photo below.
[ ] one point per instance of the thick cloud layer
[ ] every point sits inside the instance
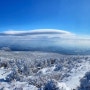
(41, 38)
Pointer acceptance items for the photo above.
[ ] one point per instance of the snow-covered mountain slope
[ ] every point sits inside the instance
(42, 71)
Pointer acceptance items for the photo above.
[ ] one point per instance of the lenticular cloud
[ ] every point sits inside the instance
(39, 32)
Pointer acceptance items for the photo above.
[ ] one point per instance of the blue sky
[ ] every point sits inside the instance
(70, 15)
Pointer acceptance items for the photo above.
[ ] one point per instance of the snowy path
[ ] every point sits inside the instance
(4, 73)
(73, 81)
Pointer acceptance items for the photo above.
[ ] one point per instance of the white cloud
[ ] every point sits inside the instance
(47, 36)
(50, 33)
(37, 30)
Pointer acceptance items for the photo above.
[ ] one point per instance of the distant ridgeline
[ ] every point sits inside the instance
(67, 51)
